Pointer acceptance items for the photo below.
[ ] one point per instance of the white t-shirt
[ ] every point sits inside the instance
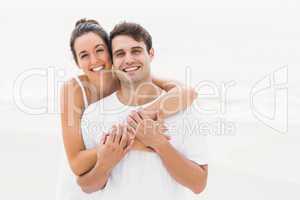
(141, 174)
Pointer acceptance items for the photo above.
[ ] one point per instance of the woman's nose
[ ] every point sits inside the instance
(94, 59)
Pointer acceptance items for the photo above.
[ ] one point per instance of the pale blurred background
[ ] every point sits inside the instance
(246, 45)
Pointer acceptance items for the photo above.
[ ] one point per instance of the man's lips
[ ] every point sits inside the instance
(131, 69)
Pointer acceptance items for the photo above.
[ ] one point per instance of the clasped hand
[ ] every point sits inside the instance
(150, 132)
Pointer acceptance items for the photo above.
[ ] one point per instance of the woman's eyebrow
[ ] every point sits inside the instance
(81, 52)
(117, 51)
(98, 45)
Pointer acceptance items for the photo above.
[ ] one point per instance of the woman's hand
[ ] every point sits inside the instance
(148, 131)
(114, 146)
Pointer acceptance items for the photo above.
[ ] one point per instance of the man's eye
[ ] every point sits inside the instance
(136, 51)
(99, 50)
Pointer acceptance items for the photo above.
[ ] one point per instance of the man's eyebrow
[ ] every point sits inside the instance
(137, 47)
(121, 50)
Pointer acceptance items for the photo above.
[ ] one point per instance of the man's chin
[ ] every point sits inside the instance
(128, 79)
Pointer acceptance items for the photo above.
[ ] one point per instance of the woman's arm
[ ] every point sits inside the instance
(93, 180)
(177, 98)
(80, 159)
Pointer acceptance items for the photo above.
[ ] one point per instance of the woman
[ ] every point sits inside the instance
(90, 48)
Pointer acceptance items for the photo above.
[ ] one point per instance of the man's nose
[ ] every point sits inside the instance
(129, 59)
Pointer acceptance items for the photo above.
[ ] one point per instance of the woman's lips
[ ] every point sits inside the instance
(96, 69)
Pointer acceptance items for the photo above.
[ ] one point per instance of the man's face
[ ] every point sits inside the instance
(131, 59)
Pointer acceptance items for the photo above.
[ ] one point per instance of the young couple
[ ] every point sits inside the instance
(127, 134)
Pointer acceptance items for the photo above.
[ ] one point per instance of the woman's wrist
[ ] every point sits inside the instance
(102, 169)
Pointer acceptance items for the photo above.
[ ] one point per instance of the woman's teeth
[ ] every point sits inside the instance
(97, 69)
(131, 69)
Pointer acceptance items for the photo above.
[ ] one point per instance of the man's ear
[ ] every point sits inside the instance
(151, 53)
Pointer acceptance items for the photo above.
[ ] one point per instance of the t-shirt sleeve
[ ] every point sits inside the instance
(194, 140)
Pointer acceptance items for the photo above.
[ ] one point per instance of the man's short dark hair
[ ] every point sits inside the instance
(133, 30)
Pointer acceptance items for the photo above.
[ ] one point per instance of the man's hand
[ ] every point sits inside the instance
(114, 146)
(148, 131)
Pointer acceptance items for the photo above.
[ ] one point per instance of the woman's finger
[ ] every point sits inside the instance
(131, 122)
(131, 132)
(124, 140)
(138, 119)
(143, 115)
(103, 138)
(118, 134)
(112, 135)
(131, 115)
(129, 147)
(159, 117)
(167, 136)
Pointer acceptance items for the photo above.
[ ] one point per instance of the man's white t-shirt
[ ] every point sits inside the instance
(141, 174)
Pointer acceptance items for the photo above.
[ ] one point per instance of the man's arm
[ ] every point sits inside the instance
(184, 171)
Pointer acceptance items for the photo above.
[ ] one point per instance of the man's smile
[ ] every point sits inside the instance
(131, 69)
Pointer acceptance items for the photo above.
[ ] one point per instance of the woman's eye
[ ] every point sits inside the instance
(119, 54)
(99, 50)
(83, 56)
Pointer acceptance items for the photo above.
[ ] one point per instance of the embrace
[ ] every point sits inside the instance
(127, 135)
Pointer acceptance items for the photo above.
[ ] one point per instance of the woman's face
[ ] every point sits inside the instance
(92, 55)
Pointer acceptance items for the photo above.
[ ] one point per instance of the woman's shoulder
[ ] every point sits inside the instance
(73, 82)
(71, 90)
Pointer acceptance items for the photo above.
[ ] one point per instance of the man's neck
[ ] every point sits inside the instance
(137, 94)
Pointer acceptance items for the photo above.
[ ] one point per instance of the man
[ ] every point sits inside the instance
(160, 163)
